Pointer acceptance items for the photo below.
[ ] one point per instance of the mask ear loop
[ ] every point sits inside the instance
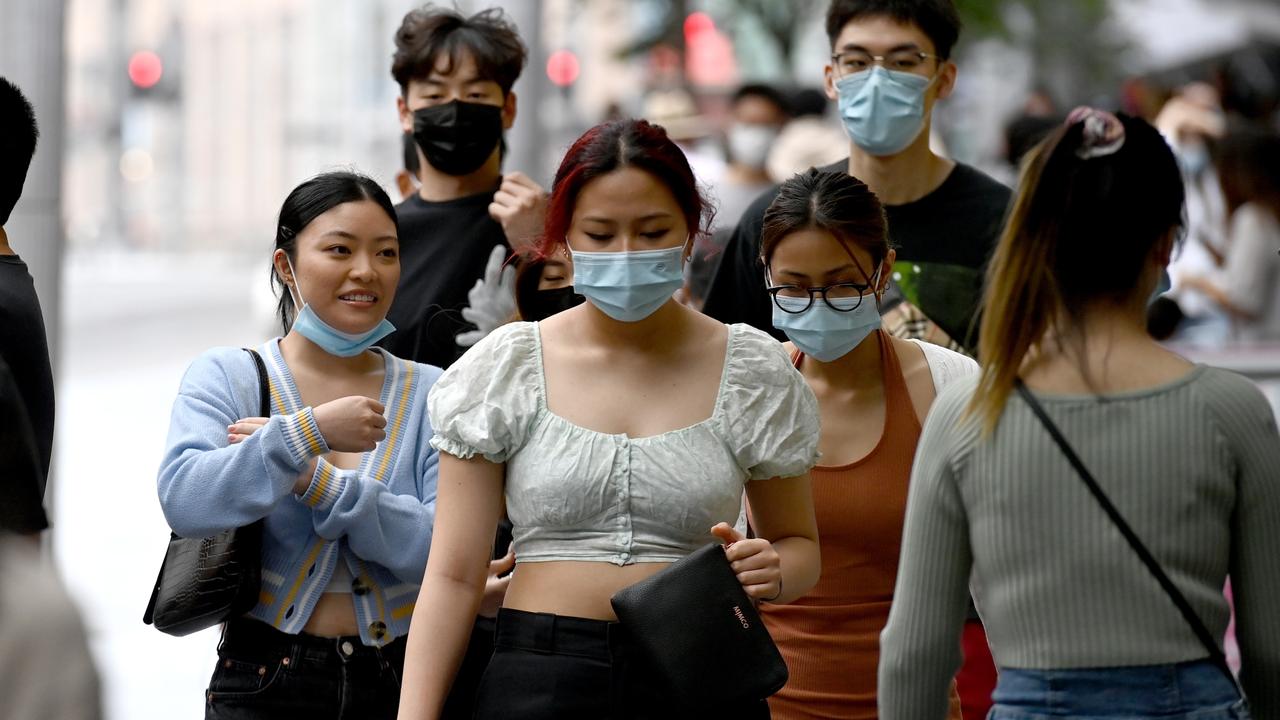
(878, 283)
(295, 291)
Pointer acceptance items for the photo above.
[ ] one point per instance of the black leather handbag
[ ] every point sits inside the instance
(206, 581)
(700, 631)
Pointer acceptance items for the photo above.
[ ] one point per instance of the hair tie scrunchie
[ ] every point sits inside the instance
(1103, 132)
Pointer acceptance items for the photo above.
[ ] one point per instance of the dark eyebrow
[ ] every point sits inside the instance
(436, 78)
(643, 218)
(843, 268)
(854, 46)
(349, 236)
(793, 274)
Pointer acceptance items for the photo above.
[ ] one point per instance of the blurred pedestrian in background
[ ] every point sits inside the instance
(1192, 121)
(811, 139)
(23, 346)
(1245, 285)
(757, 114)
(46, 669)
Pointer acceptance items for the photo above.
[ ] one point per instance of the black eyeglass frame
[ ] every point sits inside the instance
(881, 60)
(861, 289)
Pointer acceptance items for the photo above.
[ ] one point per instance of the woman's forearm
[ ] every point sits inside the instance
(801, 564)
(438, 637)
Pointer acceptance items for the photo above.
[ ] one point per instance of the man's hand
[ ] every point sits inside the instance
(520, 206)
(491, 302)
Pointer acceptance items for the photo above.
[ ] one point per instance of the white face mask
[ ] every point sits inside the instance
(749, 143)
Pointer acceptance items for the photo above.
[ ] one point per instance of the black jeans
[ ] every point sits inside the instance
(553, 667)
(264, 673)
(461, 702)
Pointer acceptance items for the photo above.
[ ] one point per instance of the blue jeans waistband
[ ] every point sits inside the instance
(1139, 691)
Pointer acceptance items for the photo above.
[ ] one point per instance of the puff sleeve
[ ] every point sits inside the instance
(485, 403)
(771, 417)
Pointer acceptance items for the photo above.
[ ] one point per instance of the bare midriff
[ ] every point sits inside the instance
(574, 588)
(334, 616)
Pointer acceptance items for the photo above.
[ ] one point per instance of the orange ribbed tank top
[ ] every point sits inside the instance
(830, 638)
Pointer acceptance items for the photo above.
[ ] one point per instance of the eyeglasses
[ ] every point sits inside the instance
(841, 291)
(855, 61)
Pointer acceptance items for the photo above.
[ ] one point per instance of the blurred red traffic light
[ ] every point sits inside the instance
(562, 68)
(145, 69)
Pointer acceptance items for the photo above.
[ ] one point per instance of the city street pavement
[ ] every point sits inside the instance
(132, 323)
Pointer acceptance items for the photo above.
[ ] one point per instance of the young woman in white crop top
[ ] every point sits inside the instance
(622, 433)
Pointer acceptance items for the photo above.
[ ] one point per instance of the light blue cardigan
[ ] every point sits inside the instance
(377, 518)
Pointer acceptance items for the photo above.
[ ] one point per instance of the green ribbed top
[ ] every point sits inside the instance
(1193, 466)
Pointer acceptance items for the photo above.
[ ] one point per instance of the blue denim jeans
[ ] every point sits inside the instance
(1185, 691)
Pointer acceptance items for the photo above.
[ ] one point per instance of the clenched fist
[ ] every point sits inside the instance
(351, 424)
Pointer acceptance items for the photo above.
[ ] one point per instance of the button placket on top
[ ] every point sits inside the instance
(626, 535)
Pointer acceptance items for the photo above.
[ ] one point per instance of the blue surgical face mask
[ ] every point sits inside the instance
(1192, 158)
(825, 334)
(1163, 285)
(882, 110)
(330, 339)
(628, 286)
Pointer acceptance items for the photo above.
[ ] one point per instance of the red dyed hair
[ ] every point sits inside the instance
(618, 144)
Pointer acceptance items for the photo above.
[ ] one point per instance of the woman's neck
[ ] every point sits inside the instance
(298, 351)
(660, 330)
(1106, 349)
(856, 370)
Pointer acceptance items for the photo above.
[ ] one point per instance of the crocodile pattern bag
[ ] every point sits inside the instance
(205, 581)
(700, 630)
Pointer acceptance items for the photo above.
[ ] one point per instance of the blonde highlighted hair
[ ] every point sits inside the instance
(1081, 229)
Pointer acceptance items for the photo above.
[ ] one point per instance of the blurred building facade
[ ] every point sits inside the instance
(256, 95)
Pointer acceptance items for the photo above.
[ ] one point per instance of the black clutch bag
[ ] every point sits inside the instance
(700, 630)
(206, 581)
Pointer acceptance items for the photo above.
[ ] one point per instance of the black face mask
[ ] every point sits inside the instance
(457, 137)
(542, 304)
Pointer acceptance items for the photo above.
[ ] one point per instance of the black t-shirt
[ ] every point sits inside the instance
(443, 250)
(943, 242)
(21, 479)
(24, 347)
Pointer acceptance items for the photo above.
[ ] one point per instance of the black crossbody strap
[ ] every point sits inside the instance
(264, 384)
(1180, 600)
